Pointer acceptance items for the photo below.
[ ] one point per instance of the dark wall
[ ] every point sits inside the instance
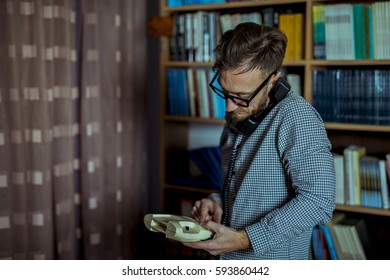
(146, 238)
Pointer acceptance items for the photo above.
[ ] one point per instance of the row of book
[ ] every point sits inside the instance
(195, 35)
(351, 31)
(342, 238)
(352, 95)
(189, 94)
(362, 179)
(176, 3)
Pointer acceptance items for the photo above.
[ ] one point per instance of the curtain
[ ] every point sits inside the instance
(72, 128)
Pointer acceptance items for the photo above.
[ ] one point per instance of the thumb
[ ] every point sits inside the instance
(210, 225)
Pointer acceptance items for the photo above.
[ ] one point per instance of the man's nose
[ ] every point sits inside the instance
(230, 105)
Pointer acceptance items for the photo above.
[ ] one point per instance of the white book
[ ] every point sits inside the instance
(236, 19)
(340, 182)
(346, 32)
(330, 35)
(189, 36)
(204, 106)
(198, 35)
(295, 81)
(206, 37)
(348, 171)
(226, 22)
(255, 17)
(191, 91)
(388, 161)
(383, 184)
(213, 41)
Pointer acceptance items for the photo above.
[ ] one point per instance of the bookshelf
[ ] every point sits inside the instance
(176, 130)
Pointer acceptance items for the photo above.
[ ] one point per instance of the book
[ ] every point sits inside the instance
(318, 31)
(334, 242)
(340, 175)
(295, 81)
(361, 248)
(208, 160)
(324, 228)
(370, 182)
(352, 154)
(320, 249)
(287, 25)
(191, 90)
(384, 187)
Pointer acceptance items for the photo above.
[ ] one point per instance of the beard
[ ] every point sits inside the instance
(243, 113)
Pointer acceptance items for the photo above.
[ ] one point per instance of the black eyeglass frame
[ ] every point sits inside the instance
(224, 95)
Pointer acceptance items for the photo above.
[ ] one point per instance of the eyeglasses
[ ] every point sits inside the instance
(237, 100)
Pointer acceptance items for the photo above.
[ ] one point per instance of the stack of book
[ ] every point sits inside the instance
(362, 179)
(342, 238)
(351, 31)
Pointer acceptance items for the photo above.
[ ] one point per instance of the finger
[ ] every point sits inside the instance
(194, 211)
(205, 214)
(218, 215)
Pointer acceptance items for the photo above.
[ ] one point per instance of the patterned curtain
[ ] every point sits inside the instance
(72, 128)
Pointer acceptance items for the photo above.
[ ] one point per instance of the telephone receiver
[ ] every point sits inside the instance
(277, 93)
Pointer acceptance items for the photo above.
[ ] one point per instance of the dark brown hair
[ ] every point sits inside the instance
(251, 46)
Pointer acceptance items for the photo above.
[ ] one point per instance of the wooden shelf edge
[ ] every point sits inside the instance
(364, 210)
(193, 119)
(330, 126)
(230, 5)
(287, 63)
(354, 63)
(358, 127)
(185, 64)
(190, 189)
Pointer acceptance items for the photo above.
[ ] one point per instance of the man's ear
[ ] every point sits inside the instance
(274, 79)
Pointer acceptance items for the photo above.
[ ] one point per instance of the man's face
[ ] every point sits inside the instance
(244, 85)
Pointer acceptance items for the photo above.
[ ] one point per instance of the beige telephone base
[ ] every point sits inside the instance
(180, 228)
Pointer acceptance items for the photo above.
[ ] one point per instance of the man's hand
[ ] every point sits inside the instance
(207, 209)
(225, 239)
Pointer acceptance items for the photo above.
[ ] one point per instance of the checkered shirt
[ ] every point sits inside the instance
(283, 183)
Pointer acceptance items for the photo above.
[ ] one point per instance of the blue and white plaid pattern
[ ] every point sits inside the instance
(284, 181)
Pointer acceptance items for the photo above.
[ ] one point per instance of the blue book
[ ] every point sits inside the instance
(209, 164)
(170, 92)
(174, 3)
(329, 241)
(184, 108)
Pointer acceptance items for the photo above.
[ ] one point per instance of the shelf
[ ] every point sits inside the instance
(354, 63)
(230, 5)
(192, 119)
(358, 127)
(364, 210)
(330, 126)
(190, 189)
(184, 64)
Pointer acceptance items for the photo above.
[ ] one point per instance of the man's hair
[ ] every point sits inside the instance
(251, 46)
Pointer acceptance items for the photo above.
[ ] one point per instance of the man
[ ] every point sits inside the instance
(279, 179)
